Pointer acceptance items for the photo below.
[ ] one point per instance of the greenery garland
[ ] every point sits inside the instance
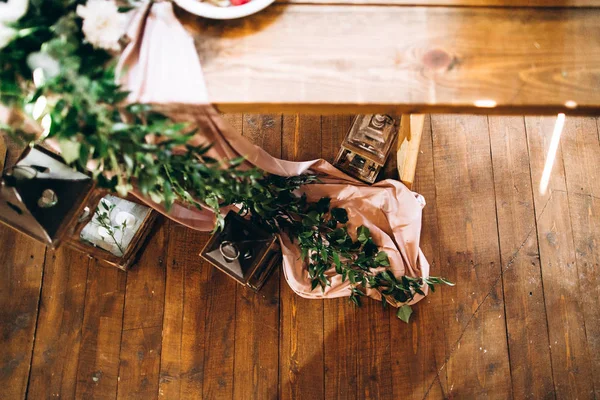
(49, 68)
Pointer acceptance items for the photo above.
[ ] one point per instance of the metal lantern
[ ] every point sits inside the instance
(40, 196)
(243, 251)
(367, 146)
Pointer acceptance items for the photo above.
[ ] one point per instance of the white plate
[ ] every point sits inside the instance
(207, 10)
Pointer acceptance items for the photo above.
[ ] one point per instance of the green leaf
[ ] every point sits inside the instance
(69, 150)
(314, 284)
(363, 234)
(404, 313)
(340, 215)
(382, 259)
(337, 262)
(447, 282)
(322, 205)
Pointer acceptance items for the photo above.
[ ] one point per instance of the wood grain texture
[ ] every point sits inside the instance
(475, 321)
(145, 293)
(59, 326)
(21, 261)
(418, 349)
(408, 146)
(313, 58)
(139, 363)
(374, 357)
(212, 342)
(3, 152)
(184, 332)
(581, 156)
(98, 365)
(462, 3)
(571, 364)
(256, 367)
(301, 360)
(264, 130)
(143, 317)
(339, 315)
(522, 278)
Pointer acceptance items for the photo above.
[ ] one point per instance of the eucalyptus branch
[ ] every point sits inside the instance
(102, 218)
(325, 243)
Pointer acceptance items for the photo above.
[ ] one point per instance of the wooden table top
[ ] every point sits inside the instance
(476, 56)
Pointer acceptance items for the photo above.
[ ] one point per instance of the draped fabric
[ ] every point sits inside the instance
(161, 66)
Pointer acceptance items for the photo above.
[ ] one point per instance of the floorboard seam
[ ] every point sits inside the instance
(501, 260)
(443, 385)
(37, 318)
(508, 265)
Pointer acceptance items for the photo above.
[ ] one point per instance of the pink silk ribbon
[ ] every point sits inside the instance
(160, 66)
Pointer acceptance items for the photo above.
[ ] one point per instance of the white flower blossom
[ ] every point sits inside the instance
(103, 24)
(7, 34)
(13, 10)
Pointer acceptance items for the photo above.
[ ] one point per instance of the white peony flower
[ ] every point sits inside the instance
(44, 62)
(103, 24)
(6, 35)
(13, 10)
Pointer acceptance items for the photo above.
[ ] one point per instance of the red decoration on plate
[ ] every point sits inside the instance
(239, 2)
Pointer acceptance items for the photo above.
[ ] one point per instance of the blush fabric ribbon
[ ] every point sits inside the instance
(160, 66)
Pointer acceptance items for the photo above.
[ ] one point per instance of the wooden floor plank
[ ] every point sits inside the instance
(219, 319)
(59, 328)
(145, 292)
(572, 369)
(219, 334)
(522, 279)
(143, 318)
(21, 261)
(140, 363)
(340, 315)
(418, 349)
(264, 130)
(475, 324)
(301, 361)
(374, 355)
(98, 365)
(184, 331)
(256, 368)
(581, 156)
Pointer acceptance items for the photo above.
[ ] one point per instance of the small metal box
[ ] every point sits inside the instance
(367, 146)
(243, 251)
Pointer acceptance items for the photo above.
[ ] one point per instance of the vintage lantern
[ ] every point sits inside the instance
(367, 146)
(243, 251)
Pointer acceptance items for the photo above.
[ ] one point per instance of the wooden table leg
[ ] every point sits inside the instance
(409, 143)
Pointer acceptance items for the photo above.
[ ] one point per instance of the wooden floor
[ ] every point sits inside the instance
(522, 322)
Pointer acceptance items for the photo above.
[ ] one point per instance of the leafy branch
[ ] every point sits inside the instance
(102, 218)
(326, 245)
